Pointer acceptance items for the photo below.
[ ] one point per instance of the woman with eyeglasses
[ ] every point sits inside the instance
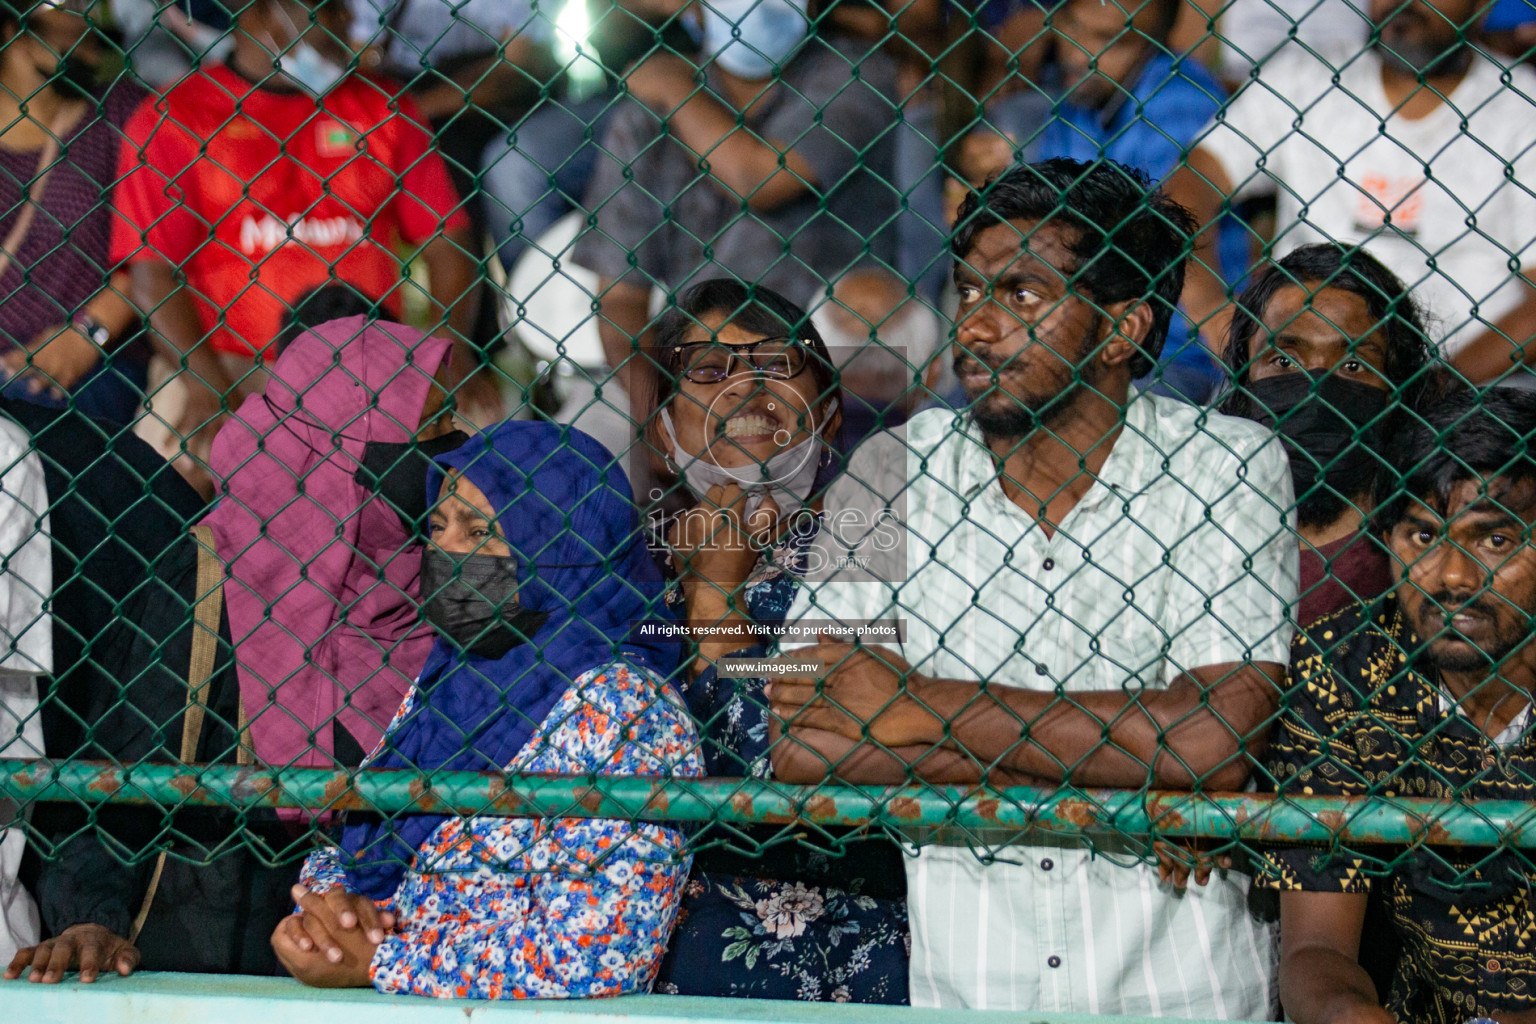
(742, 422)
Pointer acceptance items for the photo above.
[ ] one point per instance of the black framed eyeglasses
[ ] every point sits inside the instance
(711, 362)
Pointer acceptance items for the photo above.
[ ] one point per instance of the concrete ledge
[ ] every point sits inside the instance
(153, 998)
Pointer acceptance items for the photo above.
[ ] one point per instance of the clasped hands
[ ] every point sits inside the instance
(329, 945)
(330, 941)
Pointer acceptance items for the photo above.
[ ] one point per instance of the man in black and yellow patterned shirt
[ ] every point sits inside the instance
(1425, 693)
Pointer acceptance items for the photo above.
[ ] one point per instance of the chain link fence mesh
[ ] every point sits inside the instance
(197, 197)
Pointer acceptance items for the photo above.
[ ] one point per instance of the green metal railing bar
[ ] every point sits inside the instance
(1248, 817)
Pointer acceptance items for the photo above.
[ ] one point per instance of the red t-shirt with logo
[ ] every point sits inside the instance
(262, 196)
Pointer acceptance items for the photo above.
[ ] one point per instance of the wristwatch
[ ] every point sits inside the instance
(93, 329)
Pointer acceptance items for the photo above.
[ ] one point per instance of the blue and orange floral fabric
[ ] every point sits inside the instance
(502, 908)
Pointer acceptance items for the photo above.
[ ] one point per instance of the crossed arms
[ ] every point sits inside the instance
(874, 720)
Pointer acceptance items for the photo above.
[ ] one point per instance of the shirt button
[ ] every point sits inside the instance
(1493, 966)
(1048, 564)
(1040, 668)
(1047, 864)
(1054, 961)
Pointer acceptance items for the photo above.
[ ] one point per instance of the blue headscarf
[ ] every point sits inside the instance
(565, 509)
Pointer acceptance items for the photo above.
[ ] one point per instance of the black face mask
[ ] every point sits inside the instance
(472, 601)
(1331, 427)
(397, 472)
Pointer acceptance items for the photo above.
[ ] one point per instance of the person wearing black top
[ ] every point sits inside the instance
(125, 571)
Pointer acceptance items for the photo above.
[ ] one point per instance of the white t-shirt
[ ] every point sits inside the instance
(26, 652)
(1445, 201)
(1257, 31)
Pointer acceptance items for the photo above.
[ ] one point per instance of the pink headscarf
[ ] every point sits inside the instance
(322, 578)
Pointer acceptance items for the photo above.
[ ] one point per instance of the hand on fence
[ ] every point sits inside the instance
(88, 947)
(1177, 859)
(864, 693)
(331, 942)
(194, 418)
(193, 463)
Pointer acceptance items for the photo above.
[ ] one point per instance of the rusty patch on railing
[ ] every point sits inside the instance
(1078, 813)
(505, 798)
(108, 781)
(820, 807)
(338, 793)
(423, 799)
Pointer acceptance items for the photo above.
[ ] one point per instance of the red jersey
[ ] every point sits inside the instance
(260, 196)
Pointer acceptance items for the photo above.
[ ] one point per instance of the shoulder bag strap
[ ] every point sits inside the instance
(207, 611)
(32, 196)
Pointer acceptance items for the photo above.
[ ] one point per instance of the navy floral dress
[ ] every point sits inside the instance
(791, 912)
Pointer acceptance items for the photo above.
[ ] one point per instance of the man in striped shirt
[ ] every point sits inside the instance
(1094, 588)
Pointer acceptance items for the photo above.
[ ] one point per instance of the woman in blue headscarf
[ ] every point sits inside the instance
(535, 580)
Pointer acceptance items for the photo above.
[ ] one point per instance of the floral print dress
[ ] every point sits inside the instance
(781, 913)
(512, 908)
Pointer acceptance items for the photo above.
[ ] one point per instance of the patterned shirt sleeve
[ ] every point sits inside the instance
(1312, 753)
(323, 870)
(501, 908)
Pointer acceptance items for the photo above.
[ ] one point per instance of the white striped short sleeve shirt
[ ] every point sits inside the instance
(1181, 555)
(26, 653)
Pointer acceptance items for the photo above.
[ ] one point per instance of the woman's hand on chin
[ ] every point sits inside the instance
(714, 544)
(332, 942)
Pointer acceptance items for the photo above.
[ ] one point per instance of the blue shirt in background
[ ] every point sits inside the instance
(1150, 129)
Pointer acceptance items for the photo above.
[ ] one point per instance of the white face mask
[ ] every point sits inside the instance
(788, 477)
(769, 31)
(307, 66)
(304, 64)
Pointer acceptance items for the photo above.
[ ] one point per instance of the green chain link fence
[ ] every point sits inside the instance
(542, 184)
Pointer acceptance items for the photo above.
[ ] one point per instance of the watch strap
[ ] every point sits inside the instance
(92, 328)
